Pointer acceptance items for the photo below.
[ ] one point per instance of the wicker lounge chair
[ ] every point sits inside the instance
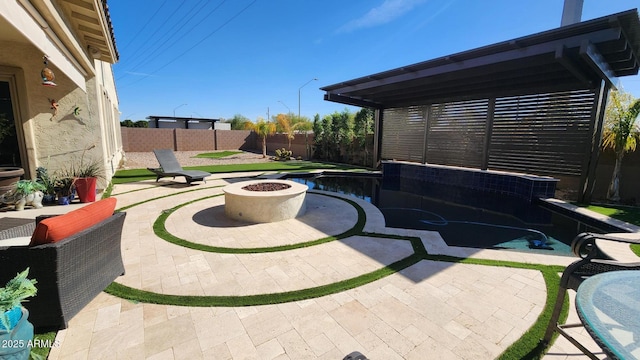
(169, 167)
(70, 272)
(593, 261)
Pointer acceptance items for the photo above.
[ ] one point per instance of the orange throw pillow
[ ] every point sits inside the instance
(61, 227)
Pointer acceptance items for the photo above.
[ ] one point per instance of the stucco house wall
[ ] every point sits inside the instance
(77, 120)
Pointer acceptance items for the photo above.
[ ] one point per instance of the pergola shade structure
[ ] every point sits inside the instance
(533, 104)
(156, 120)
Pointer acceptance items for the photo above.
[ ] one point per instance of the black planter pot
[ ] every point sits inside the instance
(49, 199)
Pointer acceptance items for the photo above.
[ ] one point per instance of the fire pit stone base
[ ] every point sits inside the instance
(263, 201)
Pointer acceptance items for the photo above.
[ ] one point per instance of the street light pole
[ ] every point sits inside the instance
(299, 90)
(285, 105)
(306, 137)
(174, 110)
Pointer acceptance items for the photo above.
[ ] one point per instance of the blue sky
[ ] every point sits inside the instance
(247, 57)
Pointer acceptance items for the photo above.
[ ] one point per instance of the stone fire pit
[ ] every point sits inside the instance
(263, 201)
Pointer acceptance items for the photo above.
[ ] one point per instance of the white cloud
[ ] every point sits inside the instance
(388, 11)
(137, 73)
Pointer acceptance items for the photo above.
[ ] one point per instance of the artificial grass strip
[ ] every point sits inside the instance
(529, 346)
(124, 208)
(271, 166)
(107, 191)
(416, 242)
(141, 189)
(635, 248)
(129, 293)
(630, 214)
(217, 155)
(499, 263)
(132, 175)
(160, 230)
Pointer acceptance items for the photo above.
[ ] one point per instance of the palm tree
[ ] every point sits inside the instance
(263, 129)
(287, 127)
(620, 134)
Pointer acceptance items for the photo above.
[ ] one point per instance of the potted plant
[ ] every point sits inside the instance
(15, 329)
(28, 187)
(49, 183)
(86, 178)
(64, 189)
(24, 192)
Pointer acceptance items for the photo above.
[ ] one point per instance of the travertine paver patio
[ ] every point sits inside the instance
(436, 310)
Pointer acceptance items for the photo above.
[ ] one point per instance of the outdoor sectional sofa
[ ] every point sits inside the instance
(73, 257)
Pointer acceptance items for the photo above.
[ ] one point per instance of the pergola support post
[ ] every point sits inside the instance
(491, 109)
(377, 138)
(427, 118)
(588, 178)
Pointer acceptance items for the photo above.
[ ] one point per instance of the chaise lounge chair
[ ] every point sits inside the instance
(169, 167)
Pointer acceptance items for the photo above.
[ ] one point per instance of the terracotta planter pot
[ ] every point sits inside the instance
(86, 189)
(8, 176)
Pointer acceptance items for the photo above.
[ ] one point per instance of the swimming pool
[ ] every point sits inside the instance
(463, 217)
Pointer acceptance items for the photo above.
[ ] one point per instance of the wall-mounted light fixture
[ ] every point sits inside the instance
(47, 75)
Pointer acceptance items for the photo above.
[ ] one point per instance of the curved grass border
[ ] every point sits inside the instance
(160, 230)
(528, 346)
(164, 196)
(129, 293)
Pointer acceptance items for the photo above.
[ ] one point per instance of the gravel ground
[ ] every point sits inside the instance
(143, 160)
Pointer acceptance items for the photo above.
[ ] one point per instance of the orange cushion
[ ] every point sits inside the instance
(61, 227)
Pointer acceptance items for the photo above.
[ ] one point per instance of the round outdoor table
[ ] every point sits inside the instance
(609, 306)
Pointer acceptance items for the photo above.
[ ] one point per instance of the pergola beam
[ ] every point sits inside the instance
(570, 66)
(443, 66)
(597, 62)
(351, 101)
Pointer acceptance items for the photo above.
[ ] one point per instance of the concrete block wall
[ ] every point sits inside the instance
(298, 144)
(194, 139)
(142, 140)
(147, 139)
(236, 140)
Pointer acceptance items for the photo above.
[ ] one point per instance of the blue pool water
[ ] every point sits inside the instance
(463, 217)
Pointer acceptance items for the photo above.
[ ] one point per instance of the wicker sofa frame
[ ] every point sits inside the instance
(70, 273)
(593, 260)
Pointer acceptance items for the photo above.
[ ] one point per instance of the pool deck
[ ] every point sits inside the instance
(439, 310)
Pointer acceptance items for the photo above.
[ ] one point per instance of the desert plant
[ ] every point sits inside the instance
(48, 181)
(90, 169)
(64, 182)
(283, 154)
(64, 185)
(87, 169)
(14, 293)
